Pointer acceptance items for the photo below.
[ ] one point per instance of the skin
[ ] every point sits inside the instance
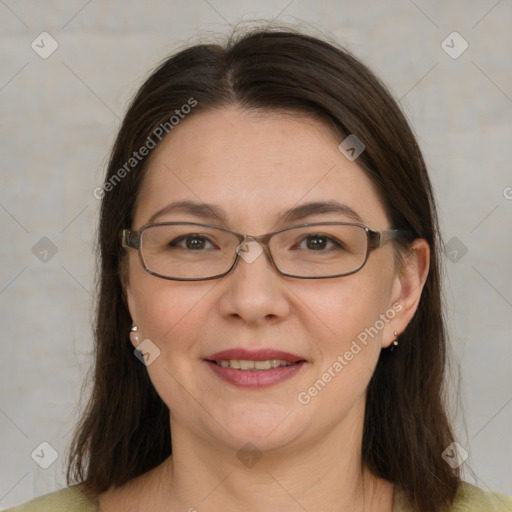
(254, 165)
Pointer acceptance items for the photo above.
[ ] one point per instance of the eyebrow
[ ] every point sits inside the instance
(318, 208)
(203, 210)
(211, 212)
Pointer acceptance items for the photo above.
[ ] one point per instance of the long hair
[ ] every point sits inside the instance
(125, 429)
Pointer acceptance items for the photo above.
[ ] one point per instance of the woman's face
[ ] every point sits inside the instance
(254, 167)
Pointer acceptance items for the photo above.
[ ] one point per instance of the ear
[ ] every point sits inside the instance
(407, 288)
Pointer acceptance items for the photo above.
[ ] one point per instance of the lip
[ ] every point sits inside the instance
(252, 379)
(255, 379)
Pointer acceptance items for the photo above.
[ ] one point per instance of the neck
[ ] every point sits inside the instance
(325, 475)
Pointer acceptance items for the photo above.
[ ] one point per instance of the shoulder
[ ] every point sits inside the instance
(69, 499)
(471, 498)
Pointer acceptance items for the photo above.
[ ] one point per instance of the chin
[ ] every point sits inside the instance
(266, 426)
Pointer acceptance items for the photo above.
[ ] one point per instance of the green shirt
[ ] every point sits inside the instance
(469, 499)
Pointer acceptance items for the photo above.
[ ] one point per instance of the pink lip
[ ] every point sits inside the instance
(255, 379)
(254, 355)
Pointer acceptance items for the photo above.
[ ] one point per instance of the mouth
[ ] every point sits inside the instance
(244, 364)
(254, 369)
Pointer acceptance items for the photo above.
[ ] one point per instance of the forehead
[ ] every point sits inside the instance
(255, 164)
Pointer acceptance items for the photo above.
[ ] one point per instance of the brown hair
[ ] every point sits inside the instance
(125, 430)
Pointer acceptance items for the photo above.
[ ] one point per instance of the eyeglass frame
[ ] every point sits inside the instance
(375, 239)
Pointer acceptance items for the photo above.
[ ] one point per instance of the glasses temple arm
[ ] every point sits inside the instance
(390, 234)
(130, 239)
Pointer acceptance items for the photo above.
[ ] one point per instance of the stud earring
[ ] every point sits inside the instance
(395, 341)
(134, 335)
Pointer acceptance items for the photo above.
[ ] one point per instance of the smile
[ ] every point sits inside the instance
(244, 364)
(254, 369)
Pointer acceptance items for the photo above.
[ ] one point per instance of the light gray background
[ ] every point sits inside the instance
(58, 118)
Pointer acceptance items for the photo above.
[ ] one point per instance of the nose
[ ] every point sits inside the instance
(254, 290)
(249, 249)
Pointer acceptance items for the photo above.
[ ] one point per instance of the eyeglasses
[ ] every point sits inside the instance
(188, 251)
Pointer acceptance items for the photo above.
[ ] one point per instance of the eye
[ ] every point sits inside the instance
(193, 242)
(319, 242)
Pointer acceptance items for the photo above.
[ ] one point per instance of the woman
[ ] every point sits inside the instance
(269, 295)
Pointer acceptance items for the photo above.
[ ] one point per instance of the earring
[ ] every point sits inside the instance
(134, 336)
(395, 341)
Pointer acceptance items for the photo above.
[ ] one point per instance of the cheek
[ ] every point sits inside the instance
(347, 314)
(347, 348)
(171, 316)
(346, 308)
(166, 311)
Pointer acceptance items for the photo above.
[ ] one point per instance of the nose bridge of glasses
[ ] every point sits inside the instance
(249, 249)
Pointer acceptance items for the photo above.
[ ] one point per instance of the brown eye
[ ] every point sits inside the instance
(316, 242)
(319, 242)
(192, 242)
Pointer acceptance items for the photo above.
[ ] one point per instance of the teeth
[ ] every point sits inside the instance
(242, 364)
(246, 365)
